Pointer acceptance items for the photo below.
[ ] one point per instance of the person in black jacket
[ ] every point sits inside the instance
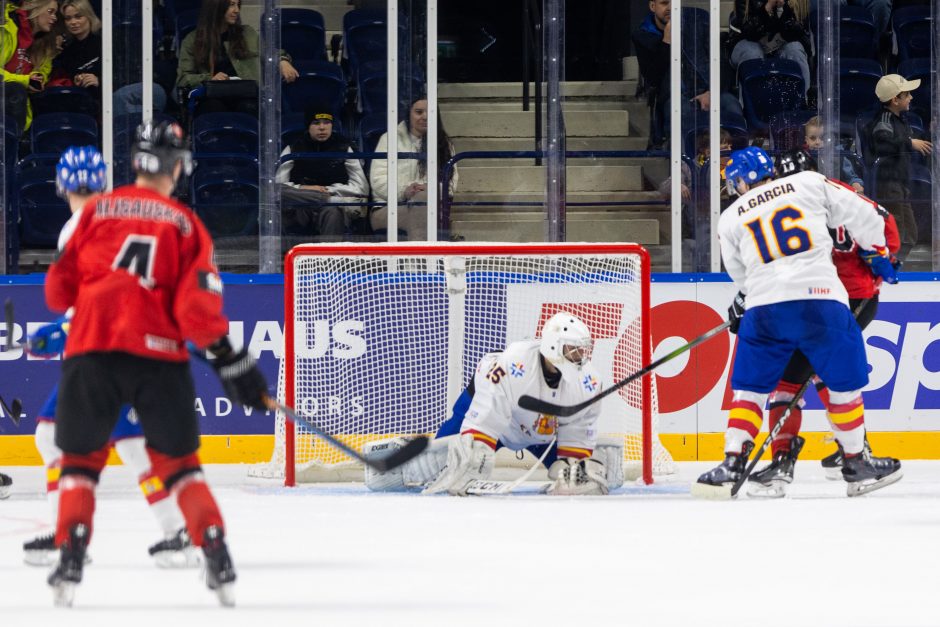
(652, 41)
(310, 185)
(892, 142)
(763, 28)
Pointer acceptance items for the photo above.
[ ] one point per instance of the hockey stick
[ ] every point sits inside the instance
(724, 492)
(412, 449)
(14, 410)
(482, 487)
(543, 407)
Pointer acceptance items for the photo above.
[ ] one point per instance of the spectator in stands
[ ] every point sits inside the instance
(763, 28)
(220, 49)
(652, 41)
(79, 64)
(813, 141)
(891, 141)
(310, 185)
(27, 48)
(703, 152)
(412, 173)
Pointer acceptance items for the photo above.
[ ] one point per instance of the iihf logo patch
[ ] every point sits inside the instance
(517, 370)
(590, 383)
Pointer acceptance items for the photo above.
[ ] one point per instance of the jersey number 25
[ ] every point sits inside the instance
(788, 236)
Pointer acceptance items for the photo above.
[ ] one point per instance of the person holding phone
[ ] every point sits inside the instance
(80, 65)
(27, 47)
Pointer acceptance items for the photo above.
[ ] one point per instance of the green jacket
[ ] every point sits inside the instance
(190, 76)
(8, 48)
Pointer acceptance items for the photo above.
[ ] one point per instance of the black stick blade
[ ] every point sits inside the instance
(17, 410)
(544, 407)
(409, 451)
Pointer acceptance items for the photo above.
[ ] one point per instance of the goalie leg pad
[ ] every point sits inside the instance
(468, 460)
(576, 477)
(609, 452)
(415, 473)
(383, 481)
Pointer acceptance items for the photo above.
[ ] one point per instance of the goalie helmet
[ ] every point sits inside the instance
(793, 161)
(566, 344)
(750, 166)
(158, 146)
(81, 170)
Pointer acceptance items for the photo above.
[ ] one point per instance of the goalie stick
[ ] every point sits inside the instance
(544, 407)
(725, 492)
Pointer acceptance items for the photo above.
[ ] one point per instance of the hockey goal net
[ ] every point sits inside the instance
(380, 340)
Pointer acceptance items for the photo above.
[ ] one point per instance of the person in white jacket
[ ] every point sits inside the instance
(412, 173)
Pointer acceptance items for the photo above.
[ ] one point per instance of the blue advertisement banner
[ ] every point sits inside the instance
(255, 308)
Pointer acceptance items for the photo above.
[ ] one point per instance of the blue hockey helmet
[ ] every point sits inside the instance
(750, 165)
(81, 170)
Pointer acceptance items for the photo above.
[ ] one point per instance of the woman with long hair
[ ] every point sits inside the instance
(412, 173)
(220, 49)
(27, 46)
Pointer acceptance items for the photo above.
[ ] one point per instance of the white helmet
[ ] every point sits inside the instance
(566, 344)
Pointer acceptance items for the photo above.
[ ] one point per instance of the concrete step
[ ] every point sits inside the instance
(515, 104)
(645, 201)
(513, 90)
(521, 123)
(466, 144)
(529, 226)
(532, 178)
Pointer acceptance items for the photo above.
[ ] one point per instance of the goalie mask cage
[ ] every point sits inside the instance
(380, 340)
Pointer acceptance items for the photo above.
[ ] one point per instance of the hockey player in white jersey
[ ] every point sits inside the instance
(487, 416)
(775, 245)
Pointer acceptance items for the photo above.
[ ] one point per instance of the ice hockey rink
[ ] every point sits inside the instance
(335, 554)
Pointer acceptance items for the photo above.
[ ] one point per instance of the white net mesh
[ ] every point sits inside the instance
(383, 345)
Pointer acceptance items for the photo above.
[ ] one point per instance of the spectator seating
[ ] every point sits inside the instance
(857, 80)
(373, 90)
(921, 201)
(918, 68)
(786, 129)
(54, 132)
(185, 23)
(857, 35)
(365, 39)
(371, 128)
(225, 132)
(769, 86)
(225, 195)
(912, 30)
(303, 34)
(319, 82)
(68, 99)
(41, 212)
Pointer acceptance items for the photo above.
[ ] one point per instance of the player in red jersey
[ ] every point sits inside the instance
(862, 287)
(137, 267)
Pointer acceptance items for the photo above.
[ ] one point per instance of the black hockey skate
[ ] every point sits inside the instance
(865, 473)
(220, 573)
(717, 482)
(40, 551)
(177, 551)
(833, 463)
(772, 481)
(6, 485)
(68, 572)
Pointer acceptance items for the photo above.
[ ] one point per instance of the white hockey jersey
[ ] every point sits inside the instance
(501, 378)
(775, 240)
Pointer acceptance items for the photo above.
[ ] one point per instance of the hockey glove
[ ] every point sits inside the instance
(736, 312)
(241, 379)
(47, 341)
(880, 263)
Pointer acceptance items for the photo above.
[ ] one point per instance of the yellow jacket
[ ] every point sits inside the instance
(8, 49)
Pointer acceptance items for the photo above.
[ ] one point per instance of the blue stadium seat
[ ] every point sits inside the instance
(319, 82)
(770, 86)
(185, 23)
(371, 128)
(225, 132)
(303, 34)
(54, 132)
(912, 30)
(857, 80)
(42, 213)
(918, 68)
(786, 129)
(858, 37)
(225, 194)
(365, 39)
(68, 99)
(373, 91)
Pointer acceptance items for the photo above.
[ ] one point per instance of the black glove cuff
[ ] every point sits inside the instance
(222, 350)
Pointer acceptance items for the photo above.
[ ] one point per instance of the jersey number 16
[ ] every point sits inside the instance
(790, 238)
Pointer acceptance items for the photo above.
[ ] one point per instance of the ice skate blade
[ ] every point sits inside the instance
(860, 488)
(775, 490)
(834, 473)
(711, 492)
(39, 558)
(226, 594)
(63, 593)
(187, 558)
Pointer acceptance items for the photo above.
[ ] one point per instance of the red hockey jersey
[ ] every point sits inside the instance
(138, 269)
(855, 274)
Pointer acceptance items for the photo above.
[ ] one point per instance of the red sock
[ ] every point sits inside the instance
(183, 477)
(791, 428)
(77, 491)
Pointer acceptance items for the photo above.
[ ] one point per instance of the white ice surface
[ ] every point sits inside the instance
(339, 555)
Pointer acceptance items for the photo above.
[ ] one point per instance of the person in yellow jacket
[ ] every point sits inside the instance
(27, 47)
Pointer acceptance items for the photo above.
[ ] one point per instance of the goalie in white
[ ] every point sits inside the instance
(487, 416)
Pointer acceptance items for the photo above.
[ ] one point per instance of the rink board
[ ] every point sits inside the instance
(902, 399)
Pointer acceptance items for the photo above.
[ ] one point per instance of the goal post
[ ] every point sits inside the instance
(380, 340)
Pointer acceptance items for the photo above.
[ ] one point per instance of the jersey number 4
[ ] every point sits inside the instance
(136, 257)
(788, 236)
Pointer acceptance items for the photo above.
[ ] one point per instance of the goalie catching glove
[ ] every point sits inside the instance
(241, 379)
(575, 477)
